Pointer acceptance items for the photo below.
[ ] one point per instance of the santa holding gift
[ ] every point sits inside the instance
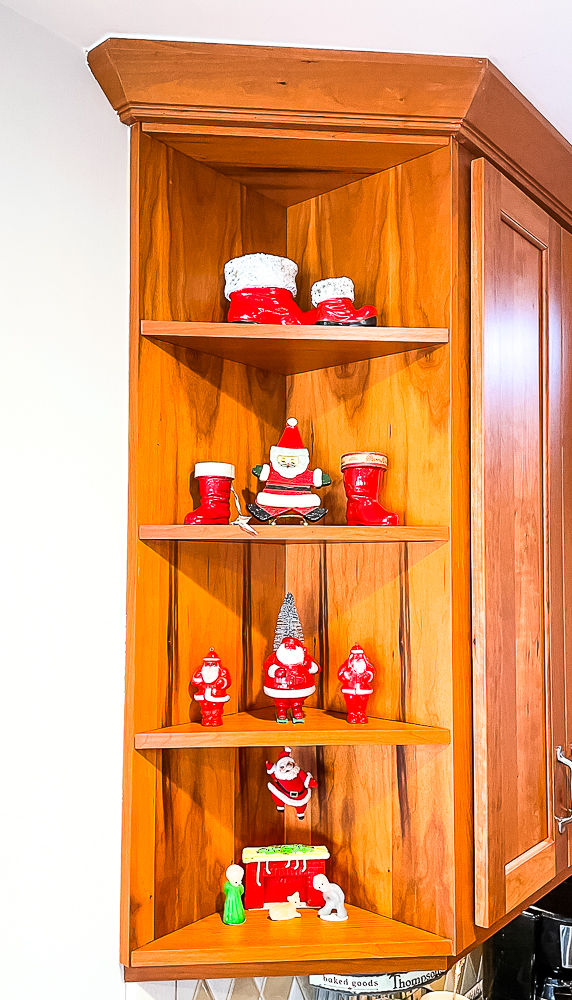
(356, 675)
(289, 480)
(289, 785)
(212, 681)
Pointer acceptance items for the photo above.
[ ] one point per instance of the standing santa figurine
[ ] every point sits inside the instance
(356, 675)
(289, 481)
(212, 681)
(289, 671)
(289, 785)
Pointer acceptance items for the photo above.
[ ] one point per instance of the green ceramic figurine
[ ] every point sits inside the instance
(233, 890)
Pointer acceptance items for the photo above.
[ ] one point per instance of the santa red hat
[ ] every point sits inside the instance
(291, 440)
(285, 755)
(212, 657)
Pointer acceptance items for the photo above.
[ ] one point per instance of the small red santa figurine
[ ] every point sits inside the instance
(289, 671)
(356, 675)
(212, 681)
(289, 481)
(289, 785)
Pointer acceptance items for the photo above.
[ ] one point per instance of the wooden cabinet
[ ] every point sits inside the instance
(238, 149)
(520, 691)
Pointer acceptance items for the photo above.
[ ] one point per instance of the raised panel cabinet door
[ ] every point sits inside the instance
(516, 544)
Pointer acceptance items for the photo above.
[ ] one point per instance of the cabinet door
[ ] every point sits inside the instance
(516, 545)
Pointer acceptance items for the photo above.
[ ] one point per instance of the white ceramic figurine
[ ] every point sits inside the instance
(334, 899)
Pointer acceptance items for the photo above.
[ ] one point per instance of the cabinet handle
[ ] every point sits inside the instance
(563, 821)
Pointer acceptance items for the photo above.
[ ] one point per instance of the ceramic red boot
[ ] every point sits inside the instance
(362, 472)
(261, 288)
(333, 299)
(215, 481)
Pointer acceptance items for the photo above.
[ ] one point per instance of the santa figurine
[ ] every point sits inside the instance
(289, 671)
(288, 481)
(289, 785)
(356, 675)
(212, 681)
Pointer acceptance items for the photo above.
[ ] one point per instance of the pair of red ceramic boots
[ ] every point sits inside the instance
(362, 472)
(261, 289)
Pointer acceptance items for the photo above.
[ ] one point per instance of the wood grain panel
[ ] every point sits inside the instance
(461, 733)
(257, 821)
(563, 801)
(353, 807)
(288, 350)
(181, 276)
(195, 834)
(511, 547)
(529, 872)
(381, 231)
(423, 847)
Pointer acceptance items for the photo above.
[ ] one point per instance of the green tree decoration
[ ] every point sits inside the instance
(288, 622)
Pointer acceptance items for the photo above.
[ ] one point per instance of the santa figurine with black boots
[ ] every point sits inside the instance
(289, 785)
(289, 671)
(357, 674)
(363, 471)
(288, 481)
(212, 681)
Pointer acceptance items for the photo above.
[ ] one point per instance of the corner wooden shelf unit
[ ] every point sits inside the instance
(384, 168)
(293, 533)
(260, 729)
(367, 936)
(291, 350)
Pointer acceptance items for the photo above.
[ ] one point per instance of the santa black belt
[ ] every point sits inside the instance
(281, 488)
(292, 795)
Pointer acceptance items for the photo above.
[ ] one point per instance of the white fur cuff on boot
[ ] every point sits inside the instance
(332, 288)
(260, 270)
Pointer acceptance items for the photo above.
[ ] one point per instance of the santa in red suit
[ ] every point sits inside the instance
(356, 675)
(289, 785)
(212, 681)
(289, 674)
(289, 480)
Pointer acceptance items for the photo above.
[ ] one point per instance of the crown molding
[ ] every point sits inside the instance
(189, 84)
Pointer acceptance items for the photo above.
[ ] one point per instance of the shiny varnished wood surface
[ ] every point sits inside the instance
(517, 660)
(235, 78)
(363, 935)
(181, 271)
(290, 350)
(261, 729)
(395, 601)
(341, 92)
(293, 533)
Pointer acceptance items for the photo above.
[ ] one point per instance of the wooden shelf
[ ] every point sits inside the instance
(364, 935)
(260, 729)
(290, 350)
(291, 533)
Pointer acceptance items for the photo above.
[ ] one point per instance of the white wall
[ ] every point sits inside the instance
(63, 399)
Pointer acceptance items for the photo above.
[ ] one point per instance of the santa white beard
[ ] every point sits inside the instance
(358, 664)
(210, 673)
(290, 657)
(286, 772)
(290, 472)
